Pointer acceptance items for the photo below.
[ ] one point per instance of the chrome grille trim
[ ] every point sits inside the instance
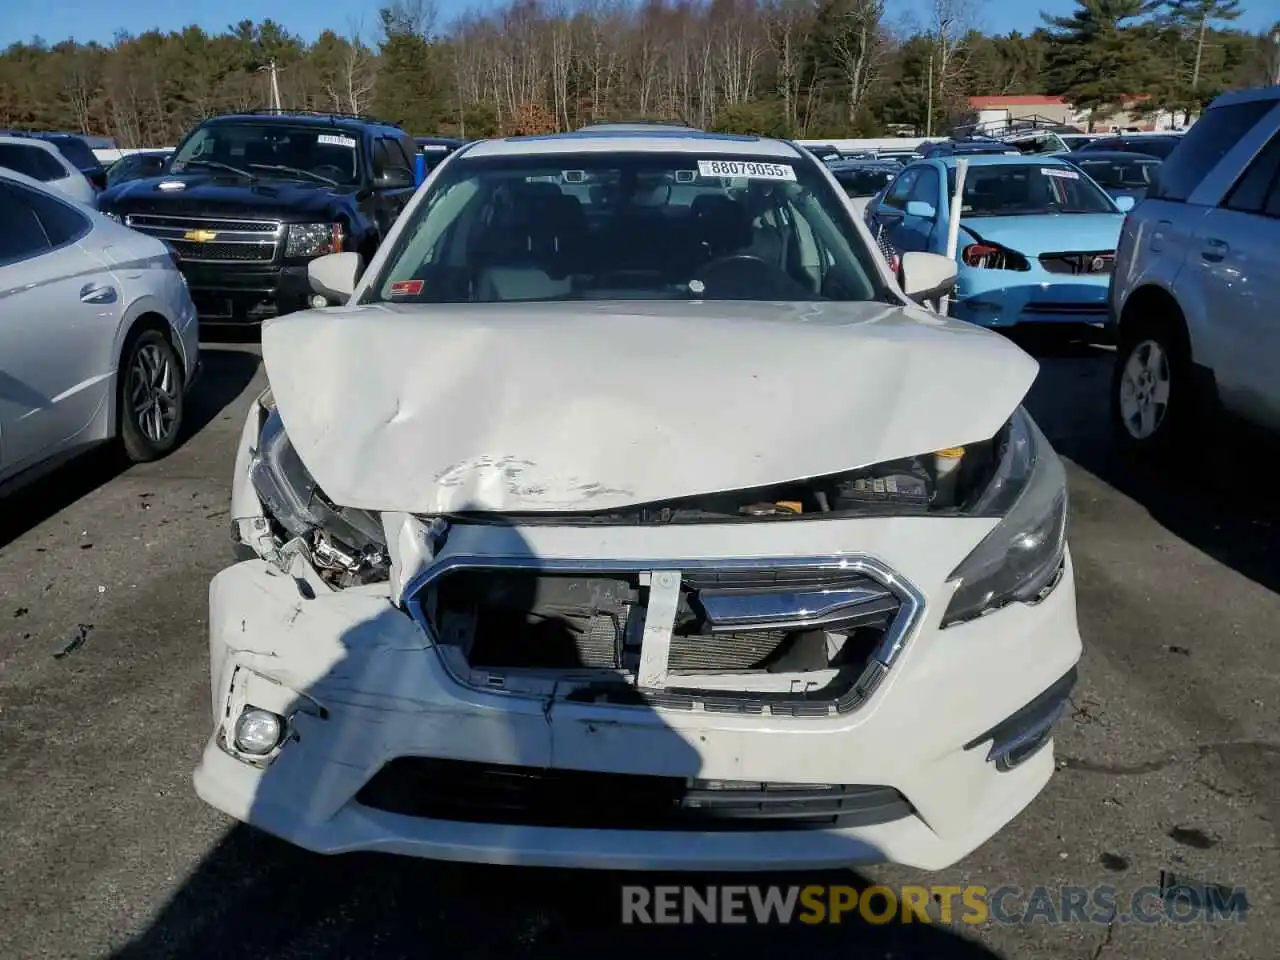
(887, 652)
(260, 239)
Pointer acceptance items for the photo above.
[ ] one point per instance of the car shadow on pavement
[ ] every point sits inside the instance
(223, 377)
(255, 896)
(1217, 496)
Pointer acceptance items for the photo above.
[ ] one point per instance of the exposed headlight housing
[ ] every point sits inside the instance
(314, 239)
(347, 545)
(1022, 558)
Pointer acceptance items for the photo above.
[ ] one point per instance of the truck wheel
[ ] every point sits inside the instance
(150, 400)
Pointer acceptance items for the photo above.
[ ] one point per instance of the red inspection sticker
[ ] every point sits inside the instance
(406, 288)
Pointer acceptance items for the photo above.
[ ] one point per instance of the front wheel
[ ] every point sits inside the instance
(1152, 398)
(151, 397)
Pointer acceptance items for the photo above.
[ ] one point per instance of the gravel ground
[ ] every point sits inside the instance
(1169, 758)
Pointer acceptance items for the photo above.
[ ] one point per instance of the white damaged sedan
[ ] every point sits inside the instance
(631, 515)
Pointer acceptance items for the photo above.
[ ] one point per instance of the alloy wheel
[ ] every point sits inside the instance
(153, 393)
(1144, 389)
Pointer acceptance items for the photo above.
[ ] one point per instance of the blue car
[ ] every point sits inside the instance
(1037, 237)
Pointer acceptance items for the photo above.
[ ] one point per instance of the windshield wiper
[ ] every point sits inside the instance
(219, 165)
(296, 171)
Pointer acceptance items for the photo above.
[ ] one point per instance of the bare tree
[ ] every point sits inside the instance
(789, 28)
(949, 26)
(858, 46)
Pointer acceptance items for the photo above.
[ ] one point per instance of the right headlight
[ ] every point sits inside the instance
(1021, 559)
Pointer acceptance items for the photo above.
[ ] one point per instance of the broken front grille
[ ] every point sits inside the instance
(534, 796)
(806, 637)
(1079, 264)
(213, 240)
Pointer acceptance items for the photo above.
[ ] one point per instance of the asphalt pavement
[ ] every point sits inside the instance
(1169, 759)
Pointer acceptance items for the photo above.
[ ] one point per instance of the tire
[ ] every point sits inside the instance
(1154, 399)
(150, 401)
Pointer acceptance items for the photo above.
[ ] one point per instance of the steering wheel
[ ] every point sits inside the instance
(748, 276)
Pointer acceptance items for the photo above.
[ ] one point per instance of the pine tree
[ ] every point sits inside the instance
(1096, 57)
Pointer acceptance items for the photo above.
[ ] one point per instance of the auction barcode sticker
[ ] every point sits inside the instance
(1059, 172)
(335, 140)
(751, 169)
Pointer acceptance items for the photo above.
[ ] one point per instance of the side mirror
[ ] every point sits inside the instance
(927, 276)
(918, 208)
(394, 178)
(1125, 204)
(334, 275)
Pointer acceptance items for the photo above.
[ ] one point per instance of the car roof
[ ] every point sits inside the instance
(40, 143)
(638, 141)
(330, 120)
(1000, 160)
(1087, 155)
(1245, 96)
(889, 166)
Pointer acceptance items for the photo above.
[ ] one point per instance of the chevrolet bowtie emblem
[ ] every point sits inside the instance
(200, 236)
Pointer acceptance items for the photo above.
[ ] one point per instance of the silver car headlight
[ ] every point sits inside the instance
(314, 239)
(1021, 560)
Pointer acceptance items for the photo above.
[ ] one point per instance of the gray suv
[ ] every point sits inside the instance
(1195, 296)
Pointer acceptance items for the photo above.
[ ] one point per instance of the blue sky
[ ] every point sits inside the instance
(56, 20)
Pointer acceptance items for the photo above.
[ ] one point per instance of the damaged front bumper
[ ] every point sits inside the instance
(670, 696)
(388, 749)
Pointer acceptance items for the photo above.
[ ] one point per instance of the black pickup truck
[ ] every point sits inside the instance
(248, 200)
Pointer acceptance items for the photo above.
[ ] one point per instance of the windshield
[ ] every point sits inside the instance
(1018, 190)
(643, 226)
(309, 153)
(1120, 174)
(863, 183)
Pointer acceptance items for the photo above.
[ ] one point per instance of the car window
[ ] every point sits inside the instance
(1272, 208)
(1249, 193)
(1128, 174)
(31, 160)
(863, 183)
(77, 151)
(409, 149)
(1206, 143)
(1017, 190)
(293, 151)
(927, 187)
(22, 237)
(623, 226)
(61, 223)
(897, 195)
(382, 160)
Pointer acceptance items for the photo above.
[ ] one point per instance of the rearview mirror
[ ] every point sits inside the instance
(393, 178)
(1124, 203)
(918, 208)
(927, 276)
(334, 275)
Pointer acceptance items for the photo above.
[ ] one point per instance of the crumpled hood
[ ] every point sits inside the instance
(216, 193)
(592, 406)
(1049, 233)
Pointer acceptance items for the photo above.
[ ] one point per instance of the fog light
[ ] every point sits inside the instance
(319, 302)
(258, 731)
